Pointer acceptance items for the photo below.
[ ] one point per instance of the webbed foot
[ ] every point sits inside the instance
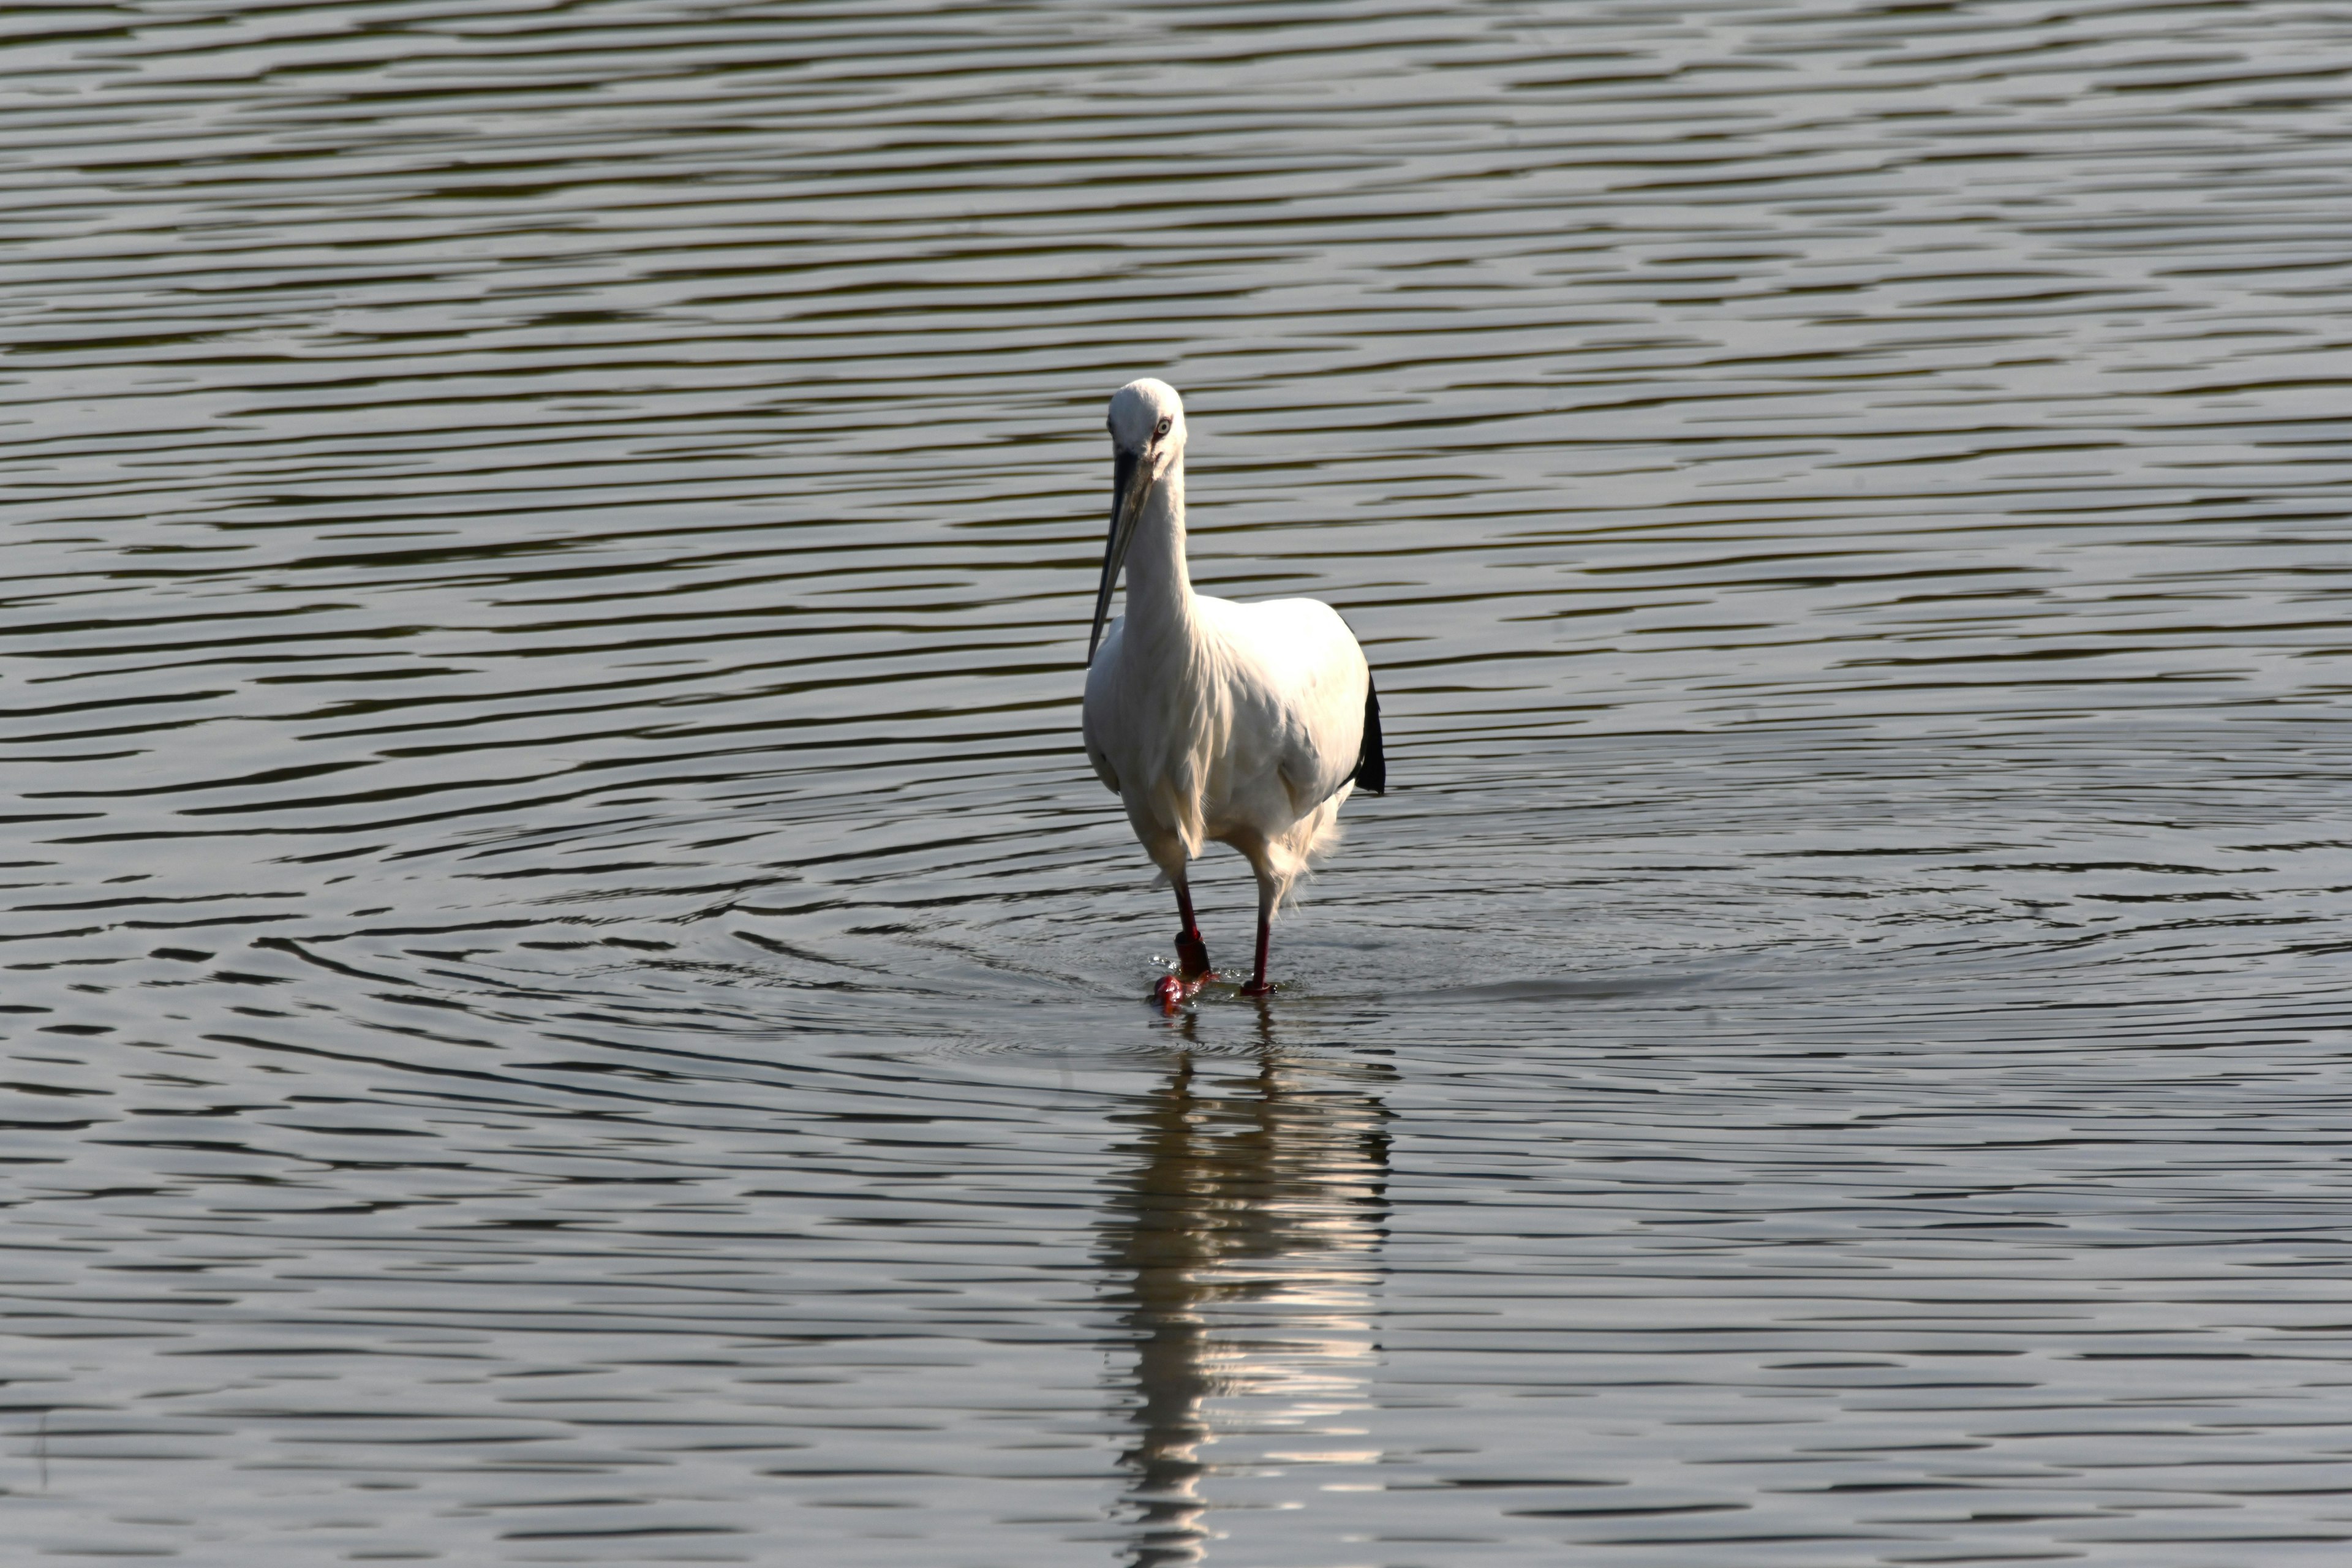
(1171, 992)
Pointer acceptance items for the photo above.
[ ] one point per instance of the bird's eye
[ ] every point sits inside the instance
(1163, 429)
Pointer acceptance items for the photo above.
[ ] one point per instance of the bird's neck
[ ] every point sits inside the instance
(1159, 585)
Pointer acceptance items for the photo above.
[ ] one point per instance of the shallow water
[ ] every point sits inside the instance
(569, 995)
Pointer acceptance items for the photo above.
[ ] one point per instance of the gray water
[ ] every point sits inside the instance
(570, 996)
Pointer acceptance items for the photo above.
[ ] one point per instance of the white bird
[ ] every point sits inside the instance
(1248, 724)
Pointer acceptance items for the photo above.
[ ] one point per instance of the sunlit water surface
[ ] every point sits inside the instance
(570, 996)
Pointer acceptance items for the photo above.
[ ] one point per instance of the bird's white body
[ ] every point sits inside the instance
(1217, 722)
(1231, 723)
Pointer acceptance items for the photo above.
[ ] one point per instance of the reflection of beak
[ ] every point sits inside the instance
(1131, 482)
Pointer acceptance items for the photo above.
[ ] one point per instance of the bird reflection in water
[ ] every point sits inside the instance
(1242, 1248)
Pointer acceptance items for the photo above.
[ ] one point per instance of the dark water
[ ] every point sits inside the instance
(569, 995)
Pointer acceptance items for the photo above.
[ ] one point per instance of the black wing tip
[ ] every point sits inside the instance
(1371, 775)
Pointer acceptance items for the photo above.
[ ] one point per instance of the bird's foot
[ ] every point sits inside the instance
(1172, 991)
(1191, 956)
(1258, 986)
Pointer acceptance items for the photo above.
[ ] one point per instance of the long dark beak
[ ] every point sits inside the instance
(1130, 481)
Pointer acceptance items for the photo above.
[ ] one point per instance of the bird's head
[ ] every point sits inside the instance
(1147, 422)
(1147, 438)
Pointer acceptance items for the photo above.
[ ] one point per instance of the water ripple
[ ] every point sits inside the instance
(570, 996)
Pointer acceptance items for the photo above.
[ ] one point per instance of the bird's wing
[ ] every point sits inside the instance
(1298, 659)
(1096, 715)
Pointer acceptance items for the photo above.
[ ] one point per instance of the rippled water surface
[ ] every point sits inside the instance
(570, 996)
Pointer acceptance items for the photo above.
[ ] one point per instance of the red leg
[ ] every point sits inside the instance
(1171, 991)
(1191, 952)
(1257, 986)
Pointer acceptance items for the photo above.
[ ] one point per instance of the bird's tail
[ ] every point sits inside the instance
(1371, 775)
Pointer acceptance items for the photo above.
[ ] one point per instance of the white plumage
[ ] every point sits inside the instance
(1245, 724)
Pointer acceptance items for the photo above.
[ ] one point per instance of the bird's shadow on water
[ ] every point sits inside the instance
(1241, 1251)
(1549, 988)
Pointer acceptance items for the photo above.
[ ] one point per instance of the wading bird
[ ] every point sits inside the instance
(1248, 724)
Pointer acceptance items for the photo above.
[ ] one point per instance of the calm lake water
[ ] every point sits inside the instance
(569, 995)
